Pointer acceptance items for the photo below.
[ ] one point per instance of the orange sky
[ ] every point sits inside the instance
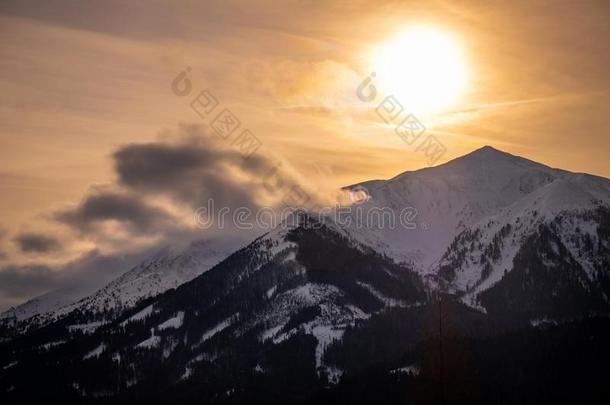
(78, 82)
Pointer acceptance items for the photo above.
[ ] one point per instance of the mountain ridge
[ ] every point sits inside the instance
(463, 194)
(511, 249)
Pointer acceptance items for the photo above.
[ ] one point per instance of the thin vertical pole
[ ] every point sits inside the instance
(440, 348)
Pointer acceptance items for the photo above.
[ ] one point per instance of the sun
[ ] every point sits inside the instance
(424, 67)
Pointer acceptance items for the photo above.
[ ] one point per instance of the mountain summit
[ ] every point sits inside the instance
(471, 190)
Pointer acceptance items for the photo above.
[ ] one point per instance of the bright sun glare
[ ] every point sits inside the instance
(423, 67)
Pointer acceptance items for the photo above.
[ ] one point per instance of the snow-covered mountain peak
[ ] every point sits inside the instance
(468, 190)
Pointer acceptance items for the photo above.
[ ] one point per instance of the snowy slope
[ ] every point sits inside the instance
(565, 196)
(167, 269)
(93, 271)
(467, 191)
(48, 302)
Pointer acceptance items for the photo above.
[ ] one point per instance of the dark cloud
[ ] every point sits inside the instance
(188, 171)
(195, 170)
(25, 281)
(77, 278)
(127, 209)
(36, 243)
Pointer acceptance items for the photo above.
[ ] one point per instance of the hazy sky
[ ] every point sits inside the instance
(96, 150)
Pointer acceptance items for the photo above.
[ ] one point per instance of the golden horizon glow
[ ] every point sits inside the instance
(424, 67)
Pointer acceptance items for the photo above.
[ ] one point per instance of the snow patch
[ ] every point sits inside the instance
(10, 365)
(388, 302)
(188, 372)
(543, 322)
(334, 374)
(271, 292)
(219, 327)
(173, 323)
(411, 370)
(95, 352)
(86, 328)
(140, 315)
(152, 342)
(49, 345)
(325, 334)
(271, 332)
